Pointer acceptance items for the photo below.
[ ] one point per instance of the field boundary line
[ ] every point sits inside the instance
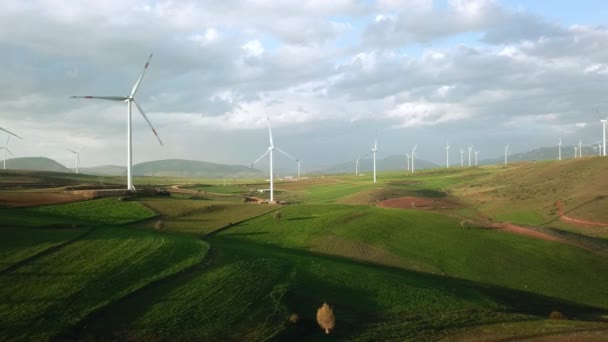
(230, 225)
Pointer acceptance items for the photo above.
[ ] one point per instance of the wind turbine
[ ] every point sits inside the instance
(476, 152)
(129, 100)
(506, 153)
(5, 147)
(299, 164)
(269, 151)
(408, 161)
(580, 148)
(447, 155)
(461, 157)
(575, 151)
(413, 156)
(470, 149)
(77, 154)
(559, 146)
(604, 122)
(374, 152)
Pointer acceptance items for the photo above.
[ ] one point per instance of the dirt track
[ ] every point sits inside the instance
(560, 211)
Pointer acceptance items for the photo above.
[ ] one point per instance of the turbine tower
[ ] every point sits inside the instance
(269, 151)
(506, 153)
(447, 155)
(413, 156)
(357, 166)
(476, 153)
(604, 122)
(580, 148)
(408, 161)
(374, 153)
(461, 157)
(575, 152)
(77, 155)
(299, 164)
(5, 147)
(559, 146)
(130, 100)
(470, 149)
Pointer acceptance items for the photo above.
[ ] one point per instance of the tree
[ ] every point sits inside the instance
(326, 318)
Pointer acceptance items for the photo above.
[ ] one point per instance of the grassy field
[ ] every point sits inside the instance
(99, 270)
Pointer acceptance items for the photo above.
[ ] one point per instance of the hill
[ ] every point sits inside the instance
(390, 163)
(35, 164)
(193, 169)
(543, 153)
(104, 170)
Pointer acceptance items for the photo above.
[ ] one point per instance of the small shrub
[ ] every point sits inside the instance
(557, 315)
(278, 215)
(159, 225)
(294, 318)
(326, 318)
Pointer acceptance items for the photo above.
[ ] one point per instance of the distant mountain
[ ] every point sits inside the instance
(390, 163)
(104, 170)
(543, 153)
(35, 164)
(194, 169)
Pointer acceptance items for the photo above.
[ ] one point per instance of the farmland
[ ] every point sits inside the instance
(422, 256)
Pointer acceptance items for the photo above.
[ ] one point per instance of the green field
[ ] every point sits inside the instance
(221, 269)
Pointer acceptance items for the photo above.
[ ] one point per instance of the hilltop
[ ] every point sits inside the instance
(35, 164)
(390, 163)
(104, 170)
(543, 153)
(193, 169)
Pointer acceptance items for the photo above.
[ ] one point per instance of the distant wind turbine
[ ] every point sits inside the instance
(470, 149)
(299, 164)
(413, 156)
(5, 147)
(580, 148)
(374, 153)
(476, 153)
(575, 152)
(447, 155)
(129, 100)
(604, 122)
(269, 151)
(461, 157)
(559, 146)
(357, 166)
(77, 155)
(506, 153)
(408, 161)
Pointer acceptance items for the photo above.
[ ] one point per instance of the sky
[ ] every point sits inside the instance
(331, 75)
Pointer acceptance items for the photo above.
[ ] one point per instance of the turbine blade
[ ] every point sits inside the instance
(286, 154)
(257, 160)
(9, 151)
(269, 132)
(71, 150)
(136, 86)
(148, 121)
(111, 98)
(11, 133)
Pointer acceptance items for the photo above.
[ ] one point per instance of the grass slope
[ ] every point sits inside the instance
(48, 295)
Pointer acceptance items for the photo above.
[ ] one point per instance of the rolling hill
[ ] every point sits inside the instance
(193, 168)
(543, 153)
(104, 170)
(390, 163)
(35, 164)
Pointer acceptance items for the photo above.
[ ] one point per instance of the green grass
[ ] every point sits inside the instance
(100, 211)
(48, 295)
(436, 243)
(18, 244)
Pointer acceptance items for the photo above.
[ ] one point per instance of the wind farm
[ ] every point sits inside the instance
(333, 236)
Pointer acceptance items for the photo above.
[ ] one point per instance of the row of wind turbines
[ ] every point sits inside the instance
(130, 101)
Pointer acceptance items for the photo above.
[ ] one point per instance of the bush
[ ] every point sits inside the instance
(294, 318)
(278, 215)
(557, 315)
(326, 318)
(159, 225)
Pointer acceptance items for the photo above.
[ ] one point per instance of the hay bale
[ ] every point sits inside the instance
(326, 318)
(557, 315)
(294, 318)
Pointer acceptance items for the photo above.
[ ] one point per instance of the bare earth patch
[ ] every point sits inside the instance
(568, 219)
(15, 199)
(421, 203)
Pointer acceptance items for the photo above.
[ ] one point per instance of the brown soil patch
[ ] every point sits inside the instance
(509, 227)
(420, 203)
(30, 199)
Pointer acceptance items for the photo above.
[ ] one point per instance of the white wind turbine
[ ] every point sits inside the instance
(5, 147)
(374, 153)
(476, 153)
(413, 157)
(506, 153)
(461, 157)
(77, 155)
(559, 146)
(270, 149)
(447, 155)
(129, 100)
(575, 152)
(580, 148)
(408, 161)
(604, 122)
(470, 149)
(299, 164)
